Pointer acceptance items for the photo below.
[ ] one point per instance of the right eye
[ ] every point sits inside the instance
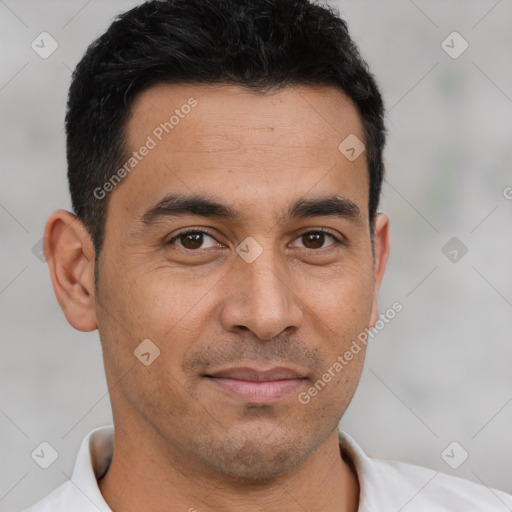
(191, 239)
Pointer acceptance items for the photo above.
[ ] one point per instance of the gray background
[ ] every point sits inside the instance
(439, 372)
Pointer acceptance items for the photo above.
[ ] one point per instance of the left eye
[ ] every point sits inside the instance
(193, 240)
(316, 239)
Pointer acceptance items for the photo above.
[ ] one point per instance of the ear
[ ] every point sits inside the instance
(381, 253)
(69, 252)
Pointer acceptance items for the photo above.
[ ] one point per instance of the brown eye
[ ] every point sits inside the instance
(316, 239)
(191, 240)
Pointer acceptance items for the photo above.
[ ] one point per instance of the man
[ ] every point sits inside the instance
(225, 167)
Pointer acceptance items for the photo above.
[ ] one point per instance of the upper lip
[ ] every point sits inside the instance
(252, 374)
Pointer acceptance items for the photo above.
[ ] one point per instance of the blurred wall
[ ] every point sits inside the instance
(438, 373)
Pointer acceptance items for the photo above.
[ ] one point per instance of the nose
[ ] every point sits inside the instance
(262, 298)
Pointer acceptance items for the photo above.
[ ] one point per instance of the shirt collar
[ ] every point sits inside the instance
(92, 461)
(364, 466)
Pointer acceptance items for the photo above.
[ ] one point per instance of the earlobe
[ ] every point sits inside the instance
(69, 252)
(381, 249)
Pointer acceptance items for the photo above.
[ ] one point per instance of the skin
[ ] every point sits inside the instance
(299, 304)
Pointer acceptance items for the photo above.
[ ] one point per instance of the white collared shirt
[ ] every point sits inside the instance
(386, 486)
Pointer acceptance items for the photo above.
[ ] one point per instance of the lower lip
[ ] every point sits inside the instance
(258, 392)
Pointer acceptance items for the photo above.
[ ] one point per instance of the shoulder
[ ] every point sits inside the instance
(69, 497)
(427, 489)
(53, 501)
(81, 493)
(394, 485)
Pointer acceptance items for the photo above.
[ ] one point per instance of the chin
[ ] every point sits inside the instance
(255, 459)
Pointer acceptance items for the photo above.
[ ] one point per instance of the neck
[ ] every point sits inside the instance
(144, 475)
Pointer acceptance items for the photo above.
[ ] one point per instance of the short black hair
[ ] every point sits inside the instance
(257, 44)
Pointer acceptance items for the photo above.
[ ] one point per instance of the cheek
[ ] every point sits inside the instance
(169, 302)
(169, 311)
(343, 299)
(153, 303)
(169, 316)
(341, 310)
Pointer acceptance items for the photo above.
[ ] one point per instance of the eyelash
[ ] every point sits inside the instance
(337, 241)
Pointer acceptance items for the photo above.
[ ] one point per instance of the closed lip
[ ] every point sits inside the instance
(258, 375)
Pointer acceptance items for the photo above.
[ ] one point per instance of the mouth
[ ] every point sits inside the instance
(257, 386)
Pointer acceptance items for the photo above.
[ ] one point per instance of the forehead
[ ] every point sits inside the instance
(308, 116)
(249, 149)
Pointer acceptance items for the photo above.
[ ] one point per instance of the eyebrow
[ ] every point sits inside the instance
(176, 205)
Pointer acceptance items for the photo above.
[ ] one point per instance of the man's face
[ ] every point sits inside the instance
(291, 297)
